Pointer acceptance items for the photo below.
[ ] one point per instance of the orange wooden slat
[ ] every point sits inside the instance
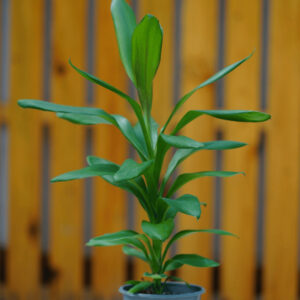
(199, 56)
(239, 203)
(163, 82)
(110, 203)
(67, 148)
(280, 279)
(23, 265)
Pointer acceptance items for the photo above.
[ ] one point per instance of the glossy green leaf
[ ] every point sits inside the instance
(184, 233)
(140, 287)
(82, 119)
(131, 169)
(134, 252)
(90, 171)
(229, 115)
(58, 108)
(125, 23)
(172, 265)
(210, 80)
(186, 177)
(222, 145)
(119, 121)
(137, 186)
(146, 52)
(187, 204)
(193, 260)
(160, 231)
(182, 142)
(132, 282)
(122, 237)
(134, 105)
(155, 276)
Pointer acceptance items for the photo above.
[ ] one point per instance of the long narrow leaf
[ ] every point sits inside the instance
(187, 204)
(181, 142)
(210, 80)
(135, 106)
(186, 177)
(193, 260)
(90, 171)
(130, 169)
(184, 233)
(229, 115)
(125, 23)
(146, 52)
(134, 252)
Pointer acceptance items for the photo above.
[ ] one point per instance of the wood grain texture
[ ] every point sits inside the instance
(240, 194)
(199, 56)
(281, 264)
(163, 82)
(110, 203)
(24, 150)
(67, 148)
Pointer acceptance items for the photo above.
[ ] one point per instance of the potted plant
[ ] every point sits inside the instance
(140, 50)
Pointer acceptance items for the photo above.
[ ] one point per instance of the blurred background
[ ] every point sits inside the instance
(43, 227)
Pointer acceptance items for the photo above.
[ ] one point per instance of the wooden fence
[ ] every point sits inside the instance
(200, 37)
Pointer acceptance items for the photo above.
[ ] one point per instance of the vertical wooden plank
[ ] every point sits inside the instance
(199, 59)
(110, 207)
(282, 154)
(163, 82)
(242, 91)
(67, 148)
(24, 149)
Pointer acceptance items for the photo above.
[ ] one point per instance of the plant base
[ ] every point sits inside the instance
(177, 291)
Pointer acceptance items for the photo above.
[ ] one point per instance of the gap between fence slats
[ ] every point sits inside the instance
(280, 277)
(199, 59)
(240, 195)
(67, 149)
(23, 271)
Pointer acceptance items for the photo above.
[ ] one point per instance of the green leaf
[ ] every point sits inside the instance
(90, 171)
(136, 186)
(134, 105)
(229, 115)
(132, 282)
(119, 121)
(134, 252)
(210, 80)
(160, 231)
(192, 260)
(186, 177)
(146, 52)
(172, 265)
(58, 108)
(131, 169)
(181, 154)
(125, 23)
(184, 233)
(142, 286)
(155, 276)
(182, 142)
(122, 237)
(222, 145)
(82, 119)
(187, 204)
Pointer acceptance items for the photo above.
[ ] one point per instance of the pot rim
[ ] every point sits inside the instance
(201, 291)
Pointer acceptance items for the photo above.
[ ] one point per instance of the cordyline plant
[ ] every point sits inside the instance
(140, 50)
